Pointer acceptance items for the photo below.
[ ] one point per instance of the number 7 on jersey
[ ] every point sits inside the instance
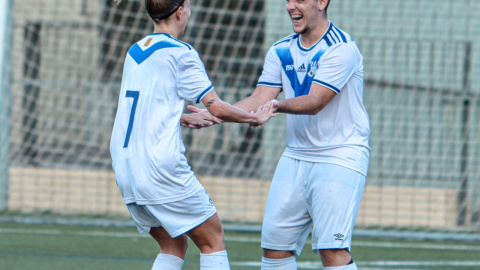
(134, 95)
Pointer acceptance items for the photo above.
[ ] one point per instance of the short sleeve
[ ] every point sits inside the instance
(272, 70)
(336, 67)
(192, 79)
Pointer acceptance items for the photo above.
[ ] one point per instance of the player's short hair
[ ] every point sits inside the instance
(162, 9)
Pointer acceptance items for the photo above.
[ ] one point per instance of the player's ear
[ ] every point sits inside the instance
(179, 12)
(322, 4)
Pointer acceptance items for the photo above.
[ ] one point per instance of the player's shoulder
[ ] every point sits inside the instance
(334, 36)
(286, 40)
(152, 43)
(157, 41)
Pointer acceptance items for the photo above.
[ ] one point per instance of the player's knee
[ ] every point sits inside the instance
(178, 247)
(276, 254)
(210, 243)
(335, 257)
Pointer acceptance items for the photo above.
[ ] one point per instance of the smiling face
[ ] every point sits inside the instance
(306, 15)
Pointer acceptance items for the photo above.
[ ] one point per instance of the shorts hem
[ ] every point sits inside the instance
(192, 226)
(279, 247)
(343, 245)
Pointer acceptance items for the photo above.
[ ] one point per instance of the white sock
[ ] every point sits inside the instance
(214, 261)
(279, 264)
(352, 266)
(166, 261)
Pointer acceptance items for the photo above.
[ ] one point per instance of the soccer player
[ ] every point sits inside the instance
(320, 178)
(161, 192)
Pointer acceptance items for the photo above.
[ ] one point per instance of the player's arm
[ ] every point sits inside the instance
(199, 120)
(336, 68)
(311, 104)
(258, 98)
(269, 84)
(230, 113)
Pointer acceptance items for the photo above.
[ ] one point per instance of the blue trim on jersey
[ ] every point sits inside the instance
(336, 90)
(293, 36)
(327, 40)
(336, 36)
(200, 97)
(300, 88)
(168, 35)
(161, 34)
(313, 46)
(140, 55)
(341, 34)
(270, 84)
(304, 49)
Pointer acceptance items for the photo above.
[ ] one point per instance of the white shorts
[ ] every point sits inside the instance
(177, 217)
(305, 194)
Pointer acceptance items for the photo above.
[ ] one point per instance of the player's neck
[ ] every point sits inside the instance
(311, 37)
(164, 28)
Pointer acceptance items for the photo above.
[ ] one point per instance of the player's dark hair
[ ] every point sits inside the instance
(162, 9)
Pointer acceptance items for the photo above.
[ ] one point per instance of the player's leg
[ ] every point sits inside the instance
(286, 223)
(172, 249)
(210, 239)
(340, 257)
(196, 217)
(336, 192)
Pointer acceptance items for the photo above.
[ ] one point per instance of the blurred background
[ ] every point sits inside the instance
(61, 67)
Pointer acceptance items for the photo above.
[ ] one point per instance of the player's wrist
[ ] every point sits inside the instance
(277, 105)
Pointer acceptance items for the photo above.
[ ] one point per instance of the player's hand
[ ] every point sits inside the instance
(198, 120)
(275, 105)
(196, 110)
(264, 113)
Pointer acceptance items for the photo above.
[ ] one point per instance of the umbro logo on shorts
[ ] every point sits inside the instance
(339, 236)
(209, 198)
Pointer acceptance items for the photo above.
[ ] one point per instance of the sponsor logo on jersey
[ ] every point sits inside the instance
(289, 67)
(302, 68)
(148, 42)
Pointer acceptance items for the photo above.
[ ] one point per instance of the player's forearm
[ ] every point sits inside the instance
(259, 97)
(230, 113)
(249, 104)
(301, 105)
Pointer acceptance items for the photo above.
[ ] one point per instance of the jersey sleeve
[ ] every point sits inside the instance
(272, 70)
(192, 79)
(336, 67)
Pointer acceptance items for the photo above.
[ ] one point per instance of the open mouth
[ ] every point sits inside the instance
(297, 18)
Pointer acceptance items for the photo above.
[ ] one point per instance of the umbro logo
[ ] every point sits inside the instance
(209, 198)
(302, 68)
(339, 236)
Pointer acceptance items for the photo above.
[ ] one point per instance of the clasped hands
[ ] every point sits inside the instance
(201, 118)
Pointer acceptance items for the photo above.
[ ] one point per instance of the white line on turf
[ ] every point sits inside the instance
(242, 239)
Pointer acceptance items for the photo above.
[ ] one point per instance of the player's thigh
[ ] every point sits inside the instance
(177, 217)
(286, 222)
(144, 220)
(174, 246)
(334, 195)
(209, 236)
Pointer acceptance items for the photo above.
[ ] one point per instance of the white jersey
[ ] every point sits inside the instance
(147, 150)
(340, 132)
